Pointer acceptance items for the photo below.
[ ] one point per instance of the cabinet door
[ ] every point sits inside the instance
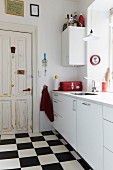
(73, 46)
(57, 122)
(90, 133)
(69, 120)
(108, 160)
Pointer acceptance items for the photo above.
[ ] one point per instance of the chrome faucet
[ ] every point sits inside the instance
(93, 82)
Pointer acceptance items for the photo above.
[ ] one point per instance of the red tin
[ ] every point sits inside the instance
(71, 86)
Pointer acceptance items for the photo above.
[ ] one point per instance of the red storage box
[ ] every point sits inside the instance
(71, 86)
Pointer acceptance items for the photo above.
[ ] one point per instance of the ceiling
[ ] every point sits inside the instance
(103, 4)
(99, 4)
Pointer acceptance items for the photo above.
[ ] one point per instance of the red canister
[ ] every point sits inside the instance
(104, 86)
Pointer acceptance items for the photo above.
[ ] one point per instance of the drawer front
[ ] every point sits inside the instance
(57, 106)
(108, 113)
(57, 122)
(108, 135)
(108, 160)
(57, 96)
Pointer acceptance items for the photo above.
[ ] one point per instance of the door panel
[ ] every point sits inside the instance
(21, 115)
(15, 76)
(5, 116)
(5, 66)
(21, 67)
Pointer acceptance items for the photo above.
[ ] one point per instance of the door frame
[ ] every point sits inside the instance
(33, 30)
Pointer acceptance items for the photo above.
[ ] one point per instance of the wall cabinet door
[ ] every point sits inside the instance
(90, 133)
(73, 46)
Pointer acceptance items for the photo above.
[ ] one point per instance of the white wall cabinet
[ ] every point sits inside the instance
(73, 46)
(90, 133)
(65, 117)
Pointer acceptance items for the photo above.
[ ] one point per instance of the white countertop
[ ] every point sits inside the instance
(101, 97)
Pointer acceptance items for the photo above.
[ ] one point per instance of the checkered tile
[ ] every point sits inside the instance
(38, 151)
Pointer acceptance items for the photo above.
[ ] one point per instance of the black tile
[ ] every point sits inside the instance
(29, 161)
(69, 147)
(25, 146)
(54, 142)
(43, 151)
(55, 166)
(84, 164)
(66, 156)
(8, 155)
(22, 135)
(59, 136)
(7, 141)
(37, 138)
(47, 133)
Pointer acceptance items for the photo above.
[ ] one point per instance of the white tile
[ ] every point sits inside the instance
(40, 144)
(59, 149)
(47, 159)
(26, 153)
(32, 168)
(8, 136)
(9, 164)
(63, 141)
(35, 134)
(75, 155)
(10, 147)
(71, 165)
(23, 140)
(51, 137)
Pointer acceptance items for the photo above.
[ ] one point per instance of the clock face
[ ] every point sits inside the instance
(95, 59)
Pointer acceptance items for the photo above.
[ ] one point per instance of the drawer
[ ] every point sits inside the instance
(57, 106)
(108, 135)
(108, 113)
(57, 96)
(108, 160)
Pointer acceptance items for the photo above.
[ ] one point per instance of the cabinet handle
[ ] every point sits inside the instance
(59, 115)
(55, 101)
(55, 115)
(74, 105)
(86, 104)
(55, 94)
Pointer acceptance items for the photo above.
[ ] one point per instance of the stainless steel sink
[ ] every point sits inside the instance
(84, 93)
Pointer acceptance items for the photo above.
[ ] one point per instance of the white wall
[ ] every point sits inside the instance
(49, 25)
(82, 71)
(100, 25)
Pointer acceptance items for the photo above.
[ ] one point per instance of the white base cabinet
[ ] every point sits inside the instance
(108, 159)
(90, 133)
(73, 46)
(108, 137)
(65, 117)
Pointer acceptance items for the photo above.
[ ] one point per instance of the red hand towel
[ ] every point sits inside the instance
(46, 104)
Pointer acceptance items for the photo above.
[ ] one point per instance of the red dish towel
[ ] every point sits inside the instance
(46, 104)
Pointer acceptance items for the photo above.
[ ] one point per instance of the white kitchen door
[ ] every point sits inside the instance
(15, 82)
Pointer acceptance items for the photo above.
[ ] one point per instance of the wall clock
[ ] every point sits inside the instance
(95, 59)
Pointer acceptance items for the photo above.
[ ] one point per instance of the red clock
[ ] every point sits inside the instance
(95, 59)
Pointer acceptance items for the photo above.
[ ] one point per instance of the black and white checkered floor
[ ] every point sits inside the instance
(38, 151)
